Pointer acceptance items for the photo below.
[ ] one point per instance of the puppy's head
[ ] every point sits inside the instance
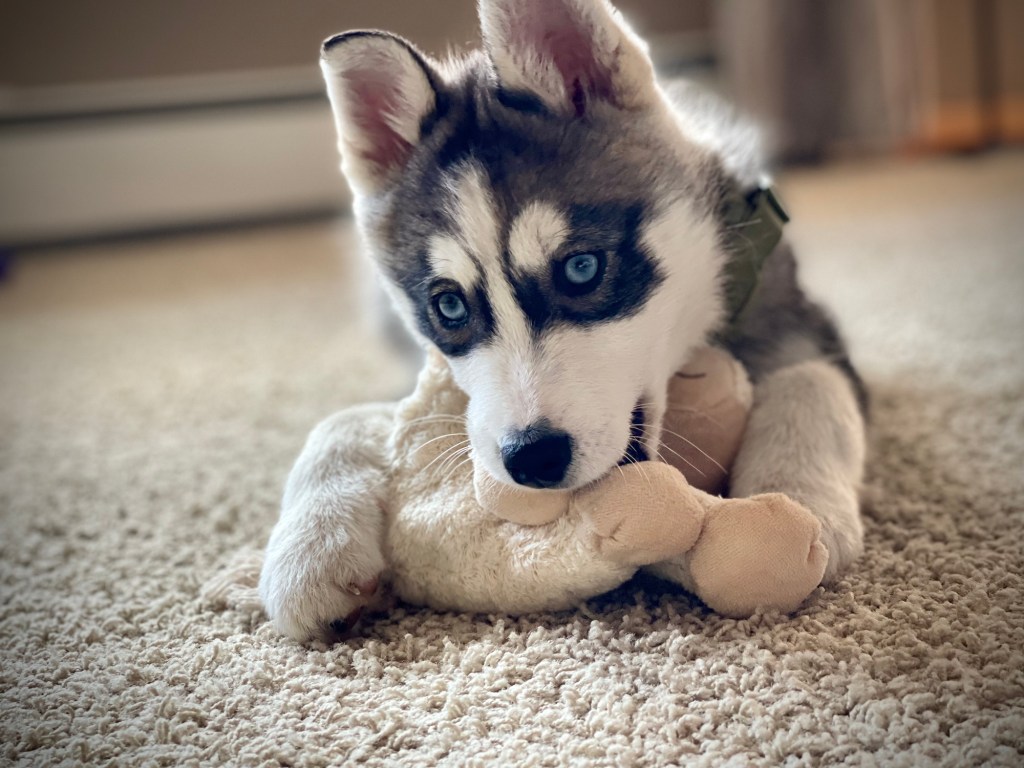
(541, 217)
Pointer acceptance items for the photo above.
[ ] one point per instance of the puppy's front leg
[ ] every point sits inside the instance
(324, 557)
(805, 438)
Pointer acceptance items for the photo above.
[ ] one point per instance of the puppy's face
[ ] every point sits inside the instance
(541, 220)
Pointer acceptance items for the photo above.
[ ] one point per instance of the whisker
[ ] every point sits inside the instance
(445, 452)
(440, 437)
(432, 416)
(432, 419)
(446, 465)
(643, 473)
(742, 224)
(423, 282)
(453, 447)
(710, 418)
(749, 242)
(460, 465)
(696, 447)
(682, 458)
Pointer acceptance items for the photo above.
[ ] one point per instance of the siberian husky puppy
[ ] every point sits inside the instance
(565, 230)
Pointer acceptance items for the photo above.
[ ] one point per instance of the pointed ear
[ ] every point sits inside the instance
(381, 90)
(567, 52)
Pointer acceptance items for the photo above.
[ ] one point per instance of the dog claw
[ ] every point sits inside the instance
(341, 629)
(367, 588)
(364, 591)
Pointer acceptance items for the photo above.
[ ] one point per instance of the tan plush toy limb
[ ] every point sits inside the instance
(642, 514)
(760, 552)
(737, 555)
(705, 416)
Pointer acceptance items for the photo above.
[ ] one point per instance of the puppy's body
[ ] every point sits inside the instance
(554, 222)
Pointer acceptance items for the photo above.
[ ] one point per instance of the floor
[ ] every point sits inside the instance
(154, 393)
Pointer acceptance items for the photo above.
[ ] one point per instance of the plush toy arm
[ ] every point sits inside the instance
(324, 556)
(644, 513)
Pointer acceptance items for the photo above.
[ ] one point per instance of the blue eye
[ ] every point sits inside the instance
(581, 272)
(581, 268)
(451, 307)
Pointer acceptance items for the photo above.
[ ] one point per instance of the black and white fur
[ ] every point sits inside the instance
(481, 177)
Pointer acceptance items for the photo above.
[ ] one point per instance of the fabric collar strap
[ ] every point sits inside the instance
(753, 223)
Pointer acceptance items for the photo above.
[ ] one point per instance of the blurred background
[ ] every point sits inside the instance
(120, 116)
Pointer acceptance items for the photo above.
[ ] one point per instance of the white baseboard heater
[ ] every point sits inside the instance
(85, 162)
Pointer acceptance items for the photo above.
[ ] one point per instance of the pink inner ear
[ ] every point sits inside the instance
(561, 37)
(375, 102)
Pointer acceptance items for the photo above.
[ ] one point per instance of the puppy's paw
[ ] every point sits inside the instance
(316, 585)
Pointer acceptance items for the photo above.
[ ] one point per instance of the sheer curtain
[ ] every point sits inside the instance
(862, 76)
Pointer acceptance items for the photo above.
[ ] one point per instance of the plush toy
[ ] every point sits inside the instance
(457, 539)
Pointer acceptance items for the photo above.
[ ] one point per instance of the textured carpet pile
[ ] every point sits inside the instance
(153, 395)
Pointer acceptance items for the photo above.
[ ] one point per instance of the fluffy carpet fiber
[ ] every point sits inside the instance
(153, 395)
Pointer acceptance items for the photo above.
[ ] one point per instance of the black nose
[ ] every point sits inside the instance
(537, 456)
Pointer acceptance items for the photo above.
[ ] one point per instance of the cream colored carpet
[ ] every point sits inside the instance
(153, 395)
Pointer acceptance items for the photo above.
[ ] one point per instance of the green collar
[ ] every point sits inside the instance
(753, 223)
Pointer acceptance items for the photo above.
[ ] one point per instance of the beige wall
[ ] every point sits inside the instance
(73, 41)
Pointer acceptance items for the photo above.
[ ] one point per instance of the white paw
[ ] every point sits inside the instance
(316, 583)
